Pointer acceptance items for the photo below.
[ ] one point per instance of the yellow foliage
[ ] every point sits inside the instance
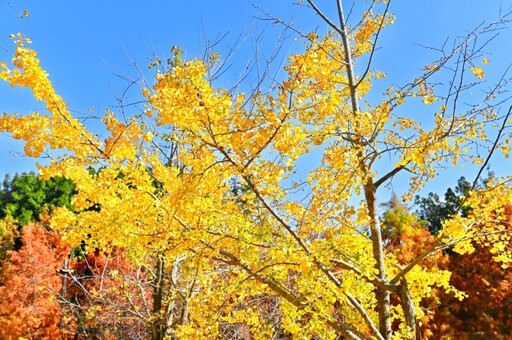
(210, 177)
(477, 71)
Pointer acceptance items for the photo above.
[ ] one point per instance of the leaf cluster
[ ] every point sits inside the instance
(26, 197)
(434, 211)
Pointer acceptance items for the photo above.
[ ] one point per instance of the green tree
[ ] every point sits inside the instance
(25, 197)
(434, 211)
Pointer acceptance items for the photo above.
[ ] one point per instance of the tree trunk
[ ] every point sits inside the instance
(157, 331)
(383, 296)
(408, 307)
(63, 294)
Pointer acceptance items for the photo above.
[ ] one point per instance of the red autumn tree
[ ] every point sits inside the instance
(45, 295)
(29, 305)
(109, 297)
(485, 311)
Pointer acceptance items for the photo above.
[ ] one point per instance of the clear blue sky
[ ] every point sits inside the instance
(82, 44)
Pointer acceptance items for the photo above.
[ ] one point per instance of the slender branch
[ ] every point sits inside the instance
(376, 281)
(496, 141)
(374, 45)
(348, 59)
(388, 176)
(365, 315)
(438, 246)
(324, 17)
(342, 327)
(292, 232)
(487, 159)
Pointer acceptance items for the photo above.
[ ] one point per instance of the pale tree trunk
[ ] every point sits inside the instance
(383, 296)
(408, 307)
(177, 309)
(63, 294)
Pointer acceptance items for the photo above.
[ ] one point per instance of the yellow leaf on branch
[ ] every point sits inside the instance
(477, 71)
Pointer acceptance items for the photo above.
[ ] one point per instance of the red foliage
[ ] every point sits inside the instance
(486, 312)
(28, 297)
(47, 296)
(488, 307)
(109, 297)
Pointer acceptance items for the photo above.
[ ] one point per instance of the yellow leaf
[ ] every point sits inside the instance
(312, 36)
(304, 265)
(477, 71)
(380, 75)
(429, 99)
(505, 149)
(486, 61)
(478, 160)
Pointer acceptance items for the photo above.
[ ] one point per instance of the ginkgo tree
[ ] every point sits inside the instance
(207, 180)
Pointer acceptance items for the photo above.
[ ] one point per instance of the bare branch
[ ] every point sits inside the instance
(325, 18)
(491, 151)
(365, 315)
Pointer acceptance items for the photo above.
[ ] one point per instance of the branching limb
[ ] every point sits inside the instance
(364, 314)
(377, 282)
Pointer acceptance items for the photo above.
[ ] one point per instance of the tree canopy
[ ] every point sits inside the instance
(26, 196)
(204, 187)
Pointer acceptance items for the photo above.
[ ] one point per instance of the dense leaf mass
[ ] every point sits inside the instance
(25, 197)
(193, 217)
(29, 295)
(484, 311)
(434, 211)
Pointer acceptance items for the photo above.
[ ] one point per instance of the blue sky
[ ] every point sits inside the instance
(84, 44)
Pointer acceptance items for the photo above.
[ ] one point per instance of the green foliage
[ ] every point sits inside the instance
(434, 211)
(25, 197)
(397, 218)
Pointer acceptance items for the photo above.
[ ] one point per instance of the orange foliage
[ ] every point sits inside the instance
(110, 298)
(45, 295)
(28, 297)
(486, 310)
(485, 313)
